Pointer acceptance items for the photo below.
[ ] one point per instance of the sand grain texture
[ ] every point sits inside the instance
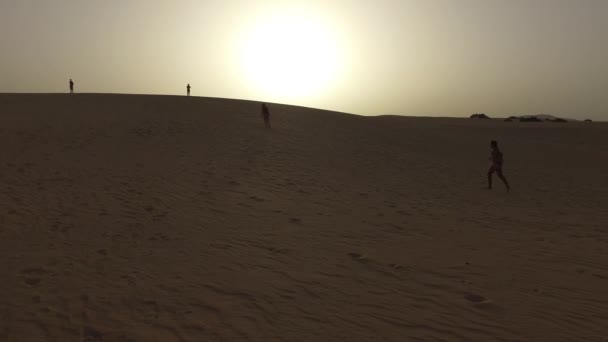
(160, 218)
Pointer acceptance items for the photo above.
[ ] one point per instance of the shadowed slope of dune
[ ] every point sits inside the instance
(161, 218)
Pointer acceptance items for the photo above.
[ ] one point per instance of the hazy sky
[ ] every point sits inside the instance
(409, 57)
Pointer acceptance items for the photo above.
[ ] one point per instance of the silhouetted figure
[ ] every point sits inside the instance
(188, 89)
(71, 86)
(266, 115)
(496, 158)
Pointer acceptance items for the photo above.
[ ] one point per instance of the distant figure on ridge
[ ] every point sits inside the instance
(496, 158)
(188, 89)
(266, 115)
(71, 86)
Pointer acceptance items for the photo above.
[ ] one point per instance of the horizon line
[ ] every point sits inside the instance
(287, 104)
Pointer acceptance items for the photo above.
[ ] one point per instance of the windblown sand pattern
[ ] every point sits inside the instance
(158, 218)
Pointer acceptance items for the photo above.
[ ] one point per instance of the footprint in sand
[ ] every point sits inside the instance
(395, 266)
(475, 298)
(278, 250)
(358, 257)
(483, 303)
(60, 227)
(92, 334)
(160, 216)
(396, 226)
(158, 237)
(32, 281)
(220, 245)
(33, 275)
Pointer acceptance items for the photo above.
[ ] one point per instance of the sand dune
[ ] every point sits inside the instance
(160, 218)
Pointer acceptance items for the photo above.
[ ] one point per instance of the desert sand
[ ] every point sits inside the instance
(165, 218)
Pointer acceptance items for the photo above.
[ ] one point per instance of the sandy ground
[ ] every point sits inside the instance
(159, 218)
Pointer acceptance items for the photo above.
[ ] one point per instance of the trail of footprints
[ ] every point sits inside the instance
(363, 258)
(473, 298)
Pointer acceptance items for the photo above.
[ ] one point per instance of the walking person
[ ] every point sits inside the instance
(496, 158)
(188, 89)
(71, 86)
(266, 115)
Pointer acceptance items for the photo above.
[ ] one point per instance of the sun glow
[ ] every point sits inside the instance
(289, 56)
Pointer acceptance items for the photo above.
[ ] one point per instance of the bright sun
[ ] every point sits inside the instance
(289, 55)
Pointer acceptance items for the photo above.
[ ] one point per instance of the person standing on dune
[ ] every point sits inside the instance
(266, 115)
(188, 89)
(71, 86)
(496, 158)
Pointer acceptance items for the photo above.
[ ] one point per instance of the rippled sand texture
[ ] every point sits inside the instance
(159, 218)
